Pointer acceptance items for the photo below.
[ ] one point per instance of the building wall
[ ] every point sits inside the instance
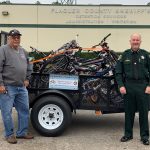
(48, 27)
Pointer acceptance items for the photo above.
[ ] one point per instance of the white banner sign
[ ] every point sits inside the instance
(66, 82)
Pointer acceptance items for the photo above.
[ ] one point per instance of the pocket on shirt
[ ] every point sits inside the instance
(127, 65)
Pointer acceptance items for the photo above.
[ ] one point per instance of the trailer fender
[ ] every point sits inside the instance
(62, 94)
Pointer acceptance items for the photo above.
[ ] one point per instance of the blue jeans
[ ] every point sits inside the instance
(17, 97)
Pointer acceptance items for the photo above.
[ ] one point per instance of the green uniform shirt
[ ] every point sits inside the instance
(133, 66)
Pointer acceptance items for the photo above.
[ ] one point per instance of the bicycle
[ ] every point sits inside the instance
(38, 63)
(51, 59)
(68, 63)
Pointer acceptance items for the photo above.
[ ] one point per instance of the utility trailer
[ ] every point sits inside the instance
(54, 97)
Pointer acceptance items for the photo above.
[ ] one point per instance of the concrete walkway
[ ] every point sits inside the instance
(87, 132)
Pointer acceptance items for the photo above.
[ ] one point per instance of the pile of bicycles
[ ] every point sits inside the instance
(64, 60)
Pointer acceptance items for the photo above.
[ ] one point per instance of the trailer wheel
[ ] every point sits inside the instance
(51, 115)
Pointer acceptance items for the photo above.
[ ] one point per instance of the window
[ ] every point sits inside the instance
(3, 38)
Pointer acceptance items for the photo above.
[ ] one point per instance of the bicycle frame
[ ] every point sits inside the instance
(68, 50)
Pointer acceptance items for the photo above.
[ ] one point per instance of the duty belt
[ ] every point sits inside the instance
(136, 80)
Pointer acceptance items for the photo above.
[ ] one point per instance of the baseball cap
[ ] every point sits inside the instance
(14, 32)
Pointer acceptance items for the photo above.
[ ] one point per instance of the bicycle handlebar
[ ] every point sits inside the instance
(37, 51)
(34, 49)
(104, 39)
(102, 43)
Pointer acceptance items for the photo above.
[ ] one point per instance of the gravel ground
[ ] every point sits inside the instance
(87, 132)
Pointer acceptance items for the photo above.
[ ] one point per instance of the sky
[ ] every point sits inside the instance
(124, 2)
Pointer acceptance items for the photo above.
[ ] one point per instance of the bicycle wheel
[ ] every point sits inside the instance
(45, 78)
(55, 64)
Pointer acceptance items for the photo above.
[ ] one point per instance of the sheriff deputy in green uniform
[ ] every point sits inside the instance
(133, 78)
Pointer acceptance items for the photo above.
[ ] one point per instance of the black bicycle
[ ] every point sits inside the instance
(69, 63)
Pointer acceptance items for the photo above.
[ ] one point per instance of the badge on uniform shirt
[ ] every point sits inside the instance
(127, 60)
(142, 57)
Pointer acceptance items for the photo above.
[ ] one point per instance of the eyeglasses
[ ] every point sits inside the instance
(16, 37)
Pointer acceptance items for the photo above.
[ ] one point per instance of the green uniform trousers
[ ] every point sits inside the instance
(136, 100)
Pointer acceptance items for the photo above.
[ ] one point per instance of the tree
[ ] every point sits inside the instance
(56, 3)
(148, 3)
(5, 2)
(37, 2)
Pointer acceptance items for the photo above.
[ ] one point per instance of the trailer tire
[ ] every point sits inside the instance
(51, 115)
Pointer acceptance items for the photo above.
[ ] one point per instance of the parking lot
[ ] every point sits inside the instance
(87, 132)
